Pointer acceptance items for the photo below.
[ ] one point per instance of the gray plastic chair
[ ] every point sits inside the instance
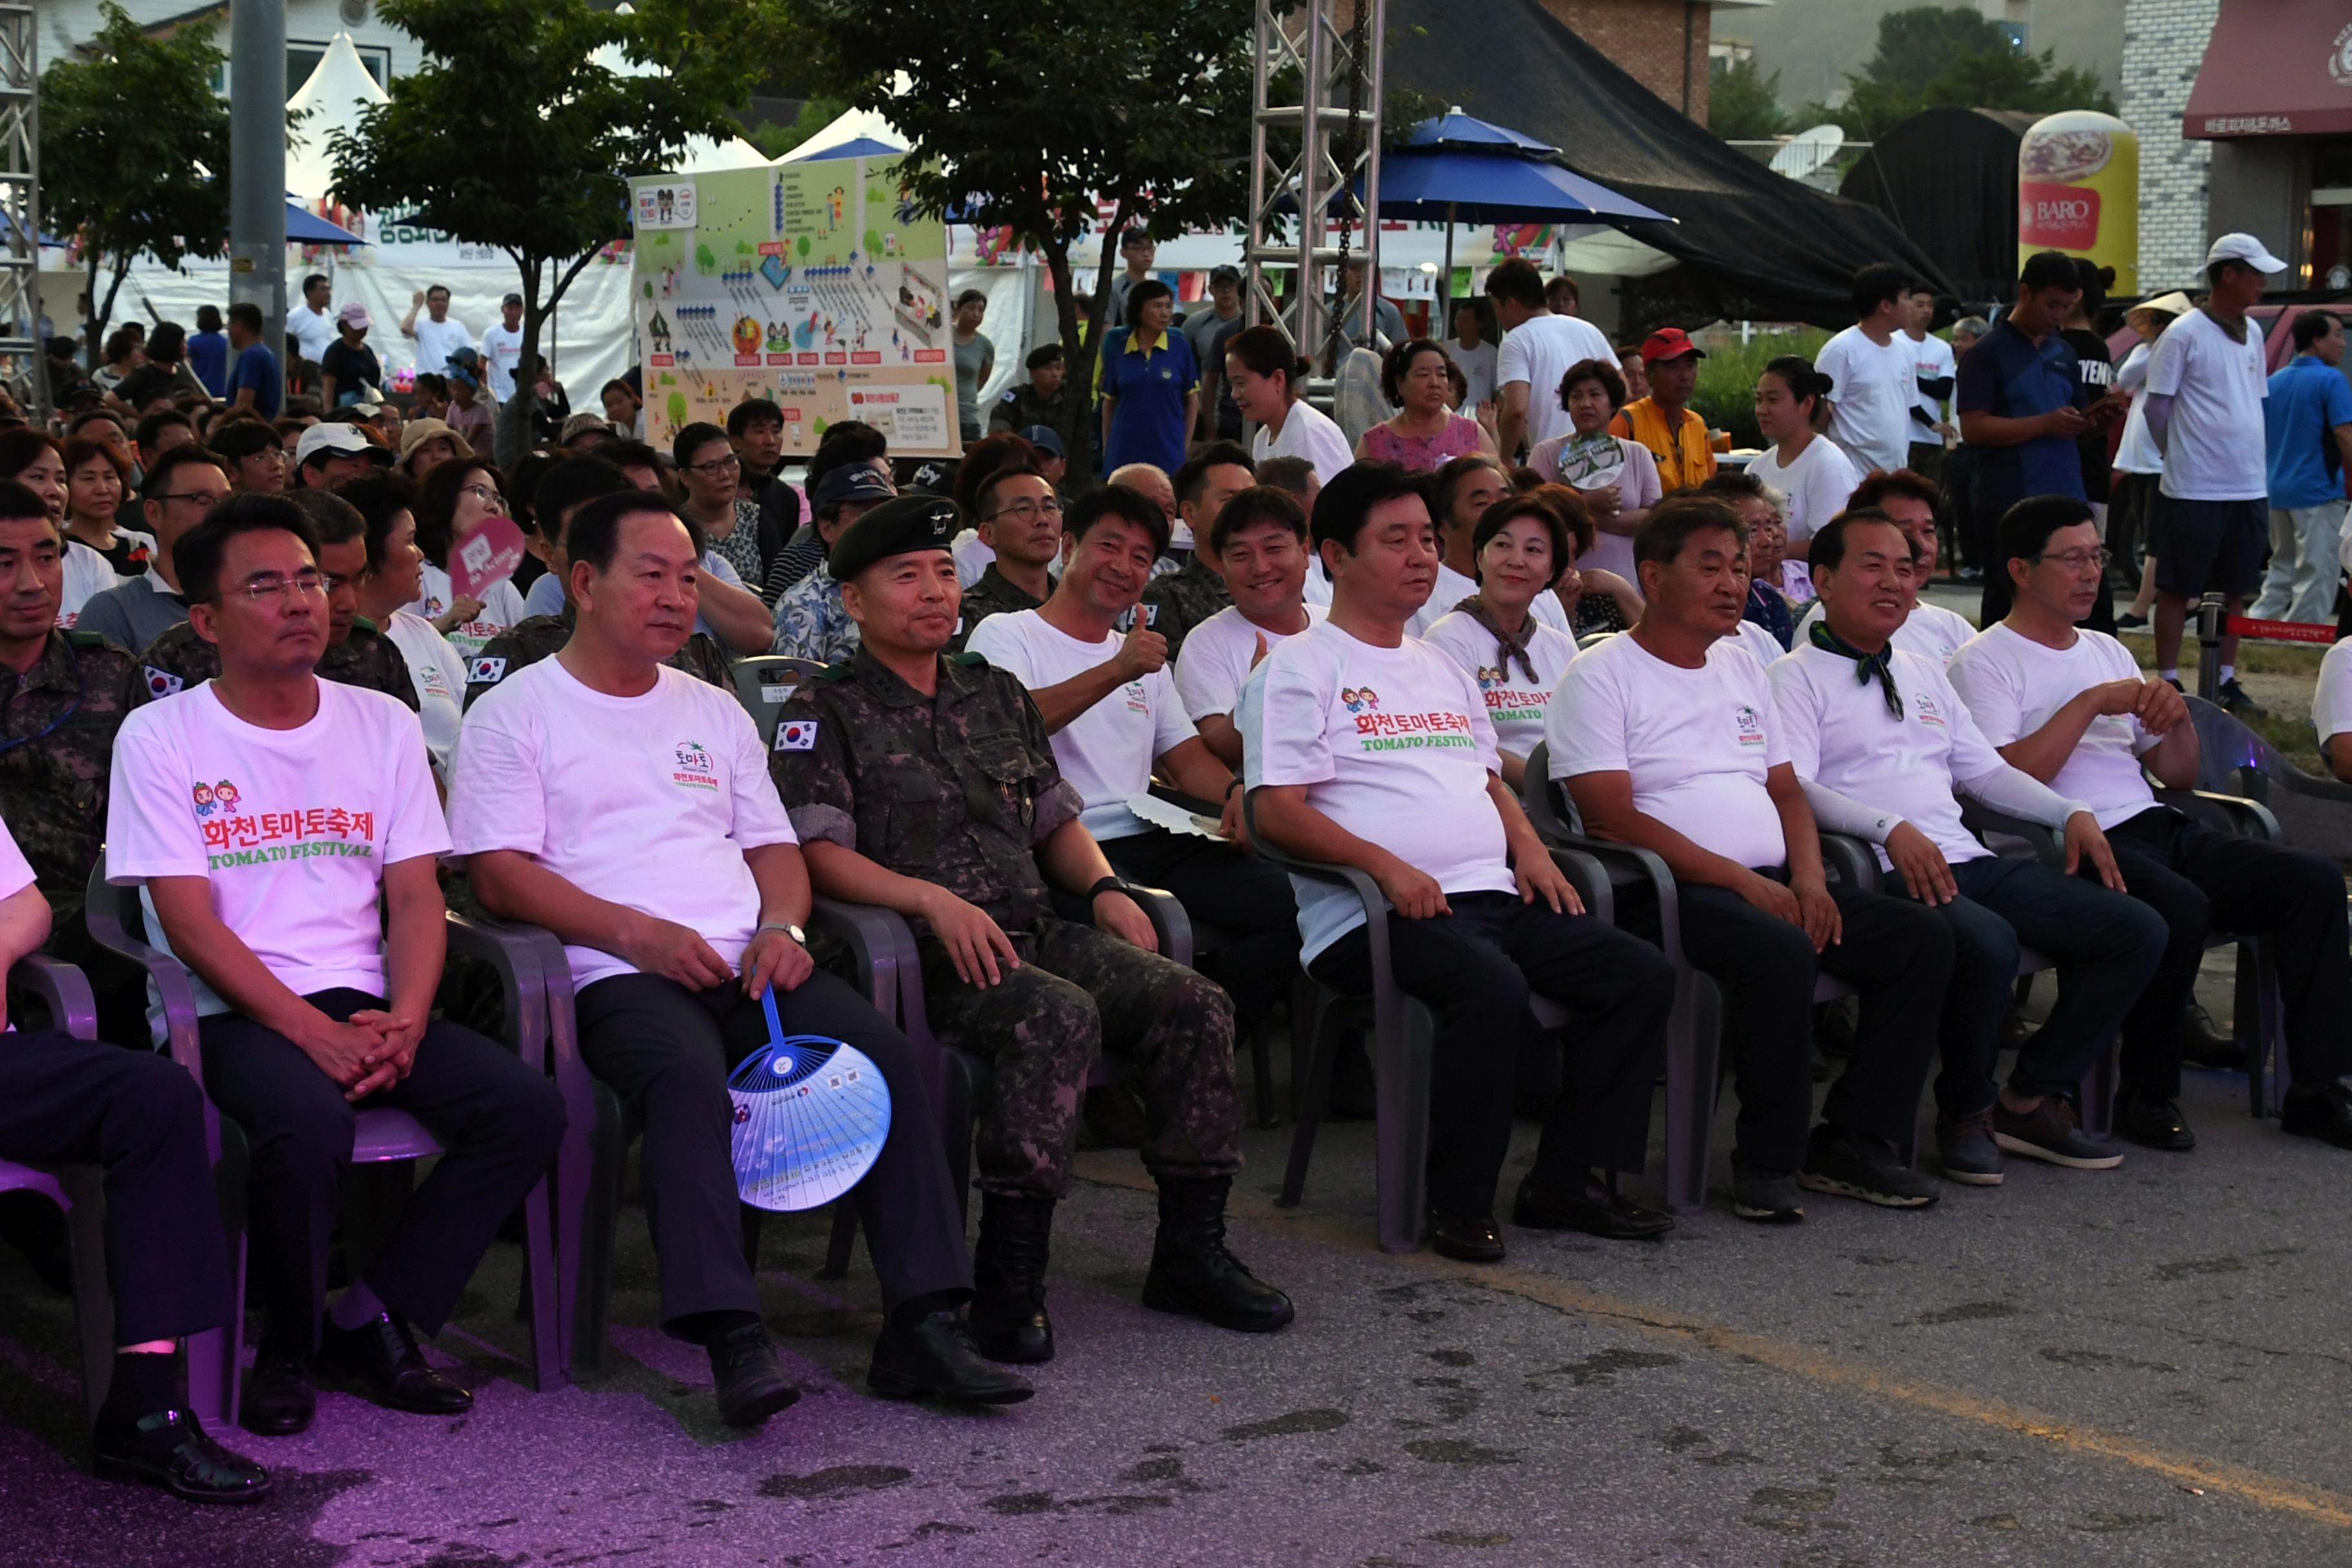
(764, 682)
(381, 1136)
(1404, 1039)
(2259, 1009)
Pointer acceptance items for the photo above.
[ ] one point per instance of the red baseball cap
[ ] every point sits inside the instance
(1669, 342)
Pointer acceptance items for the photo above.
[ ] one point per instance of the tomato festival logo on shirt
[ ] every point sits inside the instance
(1750, 723)
(695, 768)
(1928, 713)
(275, 835)
(1356, 699)
(1381, 731)
(1137, 702)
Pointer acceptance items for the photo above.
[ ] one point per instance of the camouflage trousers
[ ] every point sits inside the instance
(1080, 992)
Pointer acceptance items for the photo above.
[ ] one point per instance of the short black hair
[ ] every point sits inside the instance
(1121, 503)
(2310, 327)
(18, 502)
(595, 533)
(1673, 522)
(2026, 527)
(157, 481)
(1253, 508)
(1605, 372)
(1876, 284)
(571, 483)
(88, 416)
(1398, 364)
(1446, 483)
(1500, 515)
(1293, 475)
(740, 418)
(1733, 485)
(246, 314)
(198, 555)
(154, 424)
(843, 443)
(1828, 547)
(2049, 269)
(208, 319)
(380, 499)
(1880, 483)
(1194, 477)
(1042, 355)
(1342, 505)
(313, 278)
(1143, 294)
(337, 520)
(631, 455)
(968, 296)
(701, 433)
(1518, 281)
(238, 439)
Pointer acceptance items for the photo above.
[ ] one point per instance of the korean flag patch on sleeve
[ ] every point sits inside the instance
(796, 735)
(162, 683)
(485, 671)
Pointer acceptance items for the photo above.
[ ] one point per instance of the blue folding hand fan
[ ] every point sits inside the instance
(809, 1117)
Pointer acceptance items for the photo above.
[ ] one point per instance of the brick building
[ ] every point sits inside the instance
(2164, 43)
(1662, 44)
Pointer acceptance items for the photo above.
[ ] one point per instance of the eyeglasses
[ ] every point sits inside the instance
(1026, 510)
(487, 494)
(2081, 561)
(726, 464)
(201, 498)
(271, 585)
(330, 581)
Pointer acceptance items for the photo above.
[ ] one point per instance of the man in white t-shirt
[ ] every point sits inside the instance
(2331, 708)
(627, 808)
(1906, 499)
(1872, 381)
(502, 349)
(2207, 380)
(2071, 707)
(1112, 708)
(1934, 371)
(1882, 745)
(312, 322)
(68, 1102)
(928, 785)
(265, 813)
(1667, 738)
(438, 334)
(1260, 541)
(1538, 348)
(1368, 748)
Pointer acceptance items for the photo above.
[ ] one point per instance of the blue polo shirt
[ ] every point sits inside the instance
(2309, 398)
(1148, 426)
(2009, 375)
(256, 367)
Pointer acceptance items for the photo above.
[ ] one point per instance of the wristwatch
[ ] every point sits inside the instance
(1108, 884)
(793, 932)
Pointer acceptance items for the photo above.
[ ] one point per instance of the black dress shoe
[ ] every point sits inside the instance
(751, 1384)
(382, 1354)
(936, 1358)
(277, 1400)
(2203, 1045)
(2325, 1113)
(1467, 1238)
(168, 1448)
(1595, 1211)
(2153, 1123)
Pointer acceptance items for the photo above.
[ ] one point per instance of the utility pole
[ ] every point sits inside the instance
(1332, 50)
(257, 163)
(20, 204)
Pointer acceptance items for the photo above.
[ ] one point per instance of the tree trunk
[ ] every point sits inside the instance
(1079, 421)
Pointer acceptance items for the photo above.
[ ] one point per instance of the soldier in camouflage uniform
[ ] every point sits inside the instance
(927, 784)
(1176, 603)
(1037, 401)
(63, 695)
(1020, 519)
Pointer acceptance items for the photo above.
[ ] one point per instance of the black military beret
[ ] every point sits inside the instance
(894, 528)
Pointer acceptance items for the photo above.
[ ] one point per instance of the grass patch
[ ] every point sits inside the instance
(1726, 394)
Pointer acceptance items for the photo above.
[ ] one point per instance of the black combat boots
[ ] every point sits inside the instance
(1192, 1273)
(1008, 1278)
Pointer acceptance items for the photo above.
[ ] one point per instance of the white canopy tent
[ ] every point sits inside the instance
(338, 88)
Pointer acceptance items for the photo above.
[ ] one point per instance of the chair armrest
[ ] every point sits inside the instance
(1169, 925)
(2311, 786)
(1851, 859)
(1192, 803)
(1589, 877)
(881, 945)
(2048, 845)
(2230, 813)
(100, 914)
(63, 989)
(516, 958)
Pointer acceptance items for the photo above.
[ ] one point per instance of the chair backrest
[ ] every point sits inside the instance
(112, 914)
(765, 682)
(1548, 804)
(2231, 759)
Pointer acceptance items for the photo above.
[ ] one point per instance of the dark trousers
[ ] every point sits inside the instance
(1248, 900)
(1473, 969)
(2106, 945)
(668, 1050)
(1896, 954)
(65, 1101)
(498, 1123)
(2201, 880)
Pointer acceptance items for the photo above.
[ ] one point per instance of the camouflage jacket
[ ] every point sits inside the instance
(993, 594)
(57, 753)
(1020, 407)
(528, 641)
(1182, 600)
(366, 659)
(957, 789)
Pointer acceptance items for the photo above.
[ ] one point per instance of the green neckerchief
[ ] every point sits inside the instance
(1866, 665)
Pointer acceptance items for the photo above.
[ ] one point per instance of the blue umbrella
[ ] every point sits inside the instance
(306, 227)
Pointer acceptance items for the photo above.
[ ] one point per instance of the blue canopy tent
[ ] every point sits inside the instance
(306, 227)
(855, 147)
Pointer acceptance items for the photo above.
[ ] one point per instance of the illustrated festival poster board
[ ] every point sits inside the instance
(811, 283)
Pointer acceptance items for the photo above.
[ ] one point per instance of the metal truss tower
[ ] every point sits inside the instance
(20, 202)
(1315, 141)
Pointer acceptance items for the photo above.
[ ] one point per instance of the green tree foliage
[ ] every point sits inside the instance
(1026, 115)
(122, 126)
(1743, 104)
(512, 135)
(779, 137)
(1951, 57)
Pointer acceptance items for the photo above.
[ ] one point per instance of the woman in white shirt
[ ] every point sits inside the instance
(2139, 466)
(1807, 467)
(1618, 478)
(394, 578)
(457, 498)
(1263, 370)
(1494, 634)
